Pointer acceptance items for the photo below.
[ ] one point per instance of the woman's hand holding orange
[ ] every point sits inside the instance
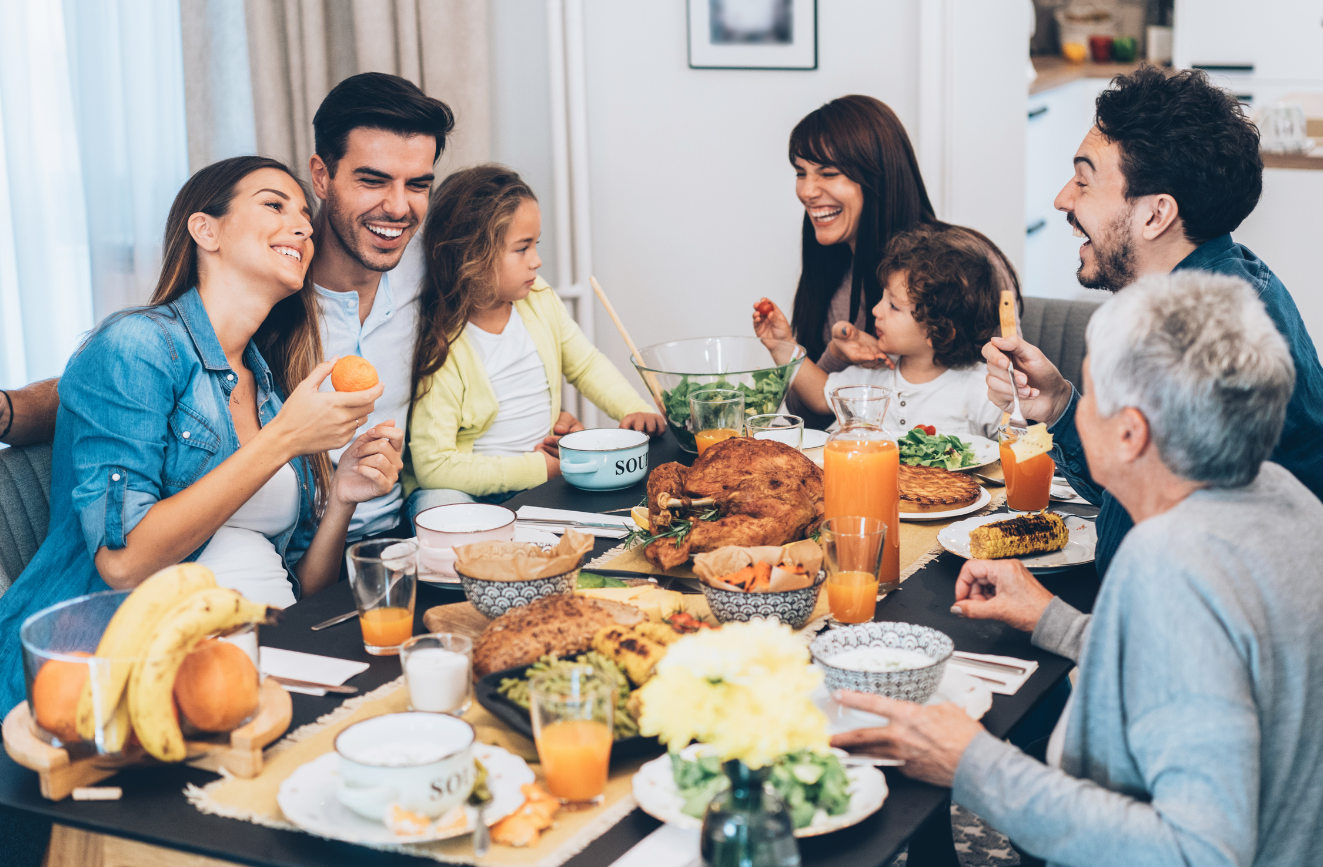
(370, 467)
(314, 421)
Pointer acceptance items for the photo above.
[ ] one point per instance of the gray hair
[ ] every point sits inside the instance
(1197, 354)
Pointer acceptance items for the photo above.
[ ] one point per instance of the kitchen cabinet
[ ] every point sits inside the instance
(1269, 39)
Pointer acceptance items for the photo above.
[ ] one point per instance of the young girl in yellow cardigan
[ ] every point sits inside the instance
(493, 343)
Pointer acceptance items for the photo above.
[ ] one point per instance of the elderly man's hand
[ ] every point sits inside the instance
(1044, 392)
(1000, 590)
(931, 740)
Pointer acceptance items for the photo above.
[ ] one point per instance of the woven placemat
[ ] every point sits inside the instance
(254, 800)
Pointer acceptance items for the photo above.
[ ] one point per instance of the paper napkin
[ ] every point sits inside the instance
(668, 846)
(308, 666)
(999, 681)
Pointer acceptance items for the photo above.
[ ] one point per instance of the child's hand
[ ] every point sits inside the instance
(566, 424)
(553, 463)
(646, 422)
(857, 347)
(770, 324)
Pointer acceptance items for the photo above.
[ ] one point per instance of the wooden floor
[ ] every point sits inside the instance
(70, 847)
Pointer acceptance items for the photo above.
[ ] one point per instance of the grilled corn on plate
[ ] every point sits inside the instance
(1018, 537)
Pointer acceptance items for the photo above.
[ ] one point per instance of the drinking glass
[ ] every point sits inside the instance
(572, 726)
(788, 429)
(715, 414)
(383, 576)
(1028, 484)
(438, 670)
(852, 548)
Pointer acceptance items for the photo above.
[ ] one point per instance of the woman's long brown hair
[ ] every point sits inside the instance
(289, 338)
(463, 241)
(863, 138)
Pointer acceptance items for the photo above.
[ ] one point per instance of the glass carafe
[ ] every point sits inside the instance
(861, 467)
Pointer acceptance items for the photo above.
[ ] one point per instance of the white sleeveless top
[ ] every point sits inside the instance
(242, 554)
(519, 382)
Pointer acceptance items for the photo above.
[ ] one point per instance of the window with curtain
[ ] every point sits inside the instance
(93, 147)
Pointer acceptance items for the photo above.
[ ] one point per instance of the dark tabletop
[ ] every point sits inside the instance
(154, 810)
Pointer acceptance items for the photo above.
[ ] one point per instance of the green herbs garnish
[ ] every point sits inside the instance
(679, 529)
(806, 780)
(593, 581)
(764, 396)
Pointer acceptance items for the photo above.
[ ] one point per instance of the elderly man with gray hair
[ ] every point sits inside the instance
(1195, 733)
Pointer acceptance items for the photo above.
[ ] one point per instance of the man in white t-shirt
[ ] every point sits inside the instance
(377, 139)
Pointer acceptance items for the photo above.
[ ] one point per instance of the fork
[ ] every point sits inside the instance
(1017, 420)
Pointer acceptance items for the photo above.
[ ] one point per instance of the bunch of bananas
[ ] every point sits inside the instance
(153, 630)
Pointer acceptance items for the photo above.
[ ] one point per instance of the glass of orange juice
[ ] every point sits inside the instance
(715, 414)
(383, 576)
(1028, 484)
(853, 548)
(572, 726)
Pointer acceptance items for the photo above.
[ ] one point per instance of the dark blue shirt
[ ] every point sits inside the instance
(1300, 449)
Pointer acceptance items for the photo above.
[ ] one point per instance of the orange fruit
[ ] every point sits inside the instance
(216, 686)
(352, 373)
(55, 692)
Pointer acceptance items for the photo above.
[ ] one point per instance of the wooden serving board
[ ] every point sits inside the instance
(60, 773)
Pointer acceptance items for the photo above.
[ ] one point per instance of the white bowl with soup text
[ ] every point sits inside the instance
(604, 459)
(422, 762)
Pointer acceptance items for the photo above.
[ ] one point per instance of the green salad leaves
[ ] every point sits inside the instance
(805, 780)
(764, 396)
(945, 451)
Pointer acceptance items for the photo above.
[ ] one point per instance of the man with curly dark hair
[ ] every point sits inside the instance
(1169, 170)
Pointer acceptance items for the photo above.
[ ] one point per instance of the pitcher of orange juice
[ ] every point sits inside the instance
(861, 468)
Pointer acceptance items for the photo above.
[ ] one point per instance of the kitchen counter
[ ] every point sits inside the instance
(1312, 160)
(1056, 71)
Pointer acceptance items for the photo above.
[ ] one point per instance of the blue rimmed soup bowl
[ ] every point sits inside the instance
(604, 459)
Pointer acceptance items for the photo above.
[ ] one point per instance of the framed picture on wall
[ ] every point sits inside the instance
(753, 34)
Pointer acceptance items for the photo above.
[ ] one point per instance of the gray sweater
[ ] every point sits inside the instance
(1195, 734)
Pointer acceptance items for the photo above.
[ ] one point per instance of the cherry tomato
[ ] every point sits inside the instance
(930, 430)
(764, 307)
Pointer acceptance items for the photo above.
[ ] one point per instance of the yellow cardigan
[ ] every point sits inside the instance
(459, 405)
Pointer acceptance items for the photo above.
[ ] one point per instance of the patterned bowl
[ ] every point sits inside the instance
(791, 607)
(913, 684)
(494, 598)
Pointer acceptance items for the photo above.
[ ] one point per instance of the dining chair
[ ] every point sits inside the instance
(1057, 327)
(25, 506)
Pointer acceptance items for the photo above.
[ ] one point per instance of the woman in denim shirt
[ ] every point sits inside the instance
(175, 440)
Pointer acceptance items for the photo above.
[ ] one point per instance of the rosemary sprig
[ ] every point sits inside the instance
(679, 529)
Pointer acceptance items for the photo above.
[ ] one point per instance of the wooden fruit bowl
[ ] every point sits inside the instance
(60, 773)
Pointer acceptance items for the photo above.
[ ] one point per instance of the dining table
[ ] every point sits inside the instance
(154, 810)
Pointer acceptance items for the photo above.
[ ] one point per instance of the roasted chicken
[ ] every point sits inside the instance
(763, 492)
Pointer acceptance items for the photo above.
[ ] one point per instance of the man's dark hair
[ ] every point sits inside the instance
(376, 100)
(1184, 136)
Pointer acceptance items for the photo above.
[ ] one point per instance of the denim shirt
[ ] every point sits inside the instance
(1299, 447)
(144, 413)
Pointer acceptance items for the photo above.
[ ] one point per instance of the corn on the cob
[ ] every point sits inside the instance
(1027, 534)
(634, 653)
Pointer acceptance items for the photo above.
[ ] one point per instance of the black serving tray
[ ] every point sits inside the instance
(518, 719)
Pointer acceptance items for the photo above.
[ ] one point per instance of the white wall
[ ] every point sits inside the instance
(693, 210)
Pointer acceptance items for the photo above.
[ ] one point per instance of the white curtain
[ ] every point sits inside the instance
(93, 148)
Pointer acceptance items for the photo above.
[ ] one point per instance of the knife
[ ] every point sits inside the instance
(995, 666)
(335, 621)
(568, 522)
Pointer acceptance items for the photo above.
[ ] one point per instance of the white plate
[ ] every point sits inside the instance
(1078, 550)
(986, 452)
(307, 798)
(814, 439)
(437, 565)
(983, 499)
(656, 794)
(970, 694)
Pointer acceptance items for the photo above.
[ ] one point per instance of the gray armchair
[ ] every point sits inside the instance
(1057, 328)
(25, 507)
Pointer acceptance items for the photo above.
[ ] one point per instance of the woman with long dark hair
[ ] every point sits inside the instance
(192, 429)
(859, 182)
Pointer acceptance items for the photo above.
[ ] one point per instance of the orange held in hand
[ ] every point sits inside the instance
(217, 686)
(55, 692)
(352, 373)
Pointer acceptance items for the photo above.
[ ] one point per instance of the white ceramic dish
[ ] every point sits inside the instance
(814, 439)
(463, 524)
(983, 499)
(1079, 549)
(656, 794)
(437, 565)
(970, 694)
(986, 452)
(307, 798)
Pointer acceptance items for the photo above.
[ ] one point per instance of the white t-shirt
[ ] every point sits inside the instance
(955, 402)
(241, 553)
(386, 340)
(519, 382)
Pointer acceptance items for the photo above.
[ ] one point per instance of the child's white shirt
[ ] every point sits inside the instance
(519, 382)
(956, 402)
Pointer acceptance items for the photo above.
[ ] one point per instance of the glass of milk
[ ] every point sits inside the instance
(438, 670)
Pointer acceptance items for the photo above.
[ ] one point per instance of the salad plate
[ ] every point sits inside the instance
(984, 498)
(659, 797)
(919, 448)
(307, 798)
(1078, 551)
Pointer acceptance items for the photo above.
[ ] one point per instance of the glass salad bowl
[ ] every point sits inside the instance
(673, 370)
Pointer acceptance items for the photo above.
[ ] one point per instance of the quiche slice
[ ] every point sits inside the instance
(933, 489)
